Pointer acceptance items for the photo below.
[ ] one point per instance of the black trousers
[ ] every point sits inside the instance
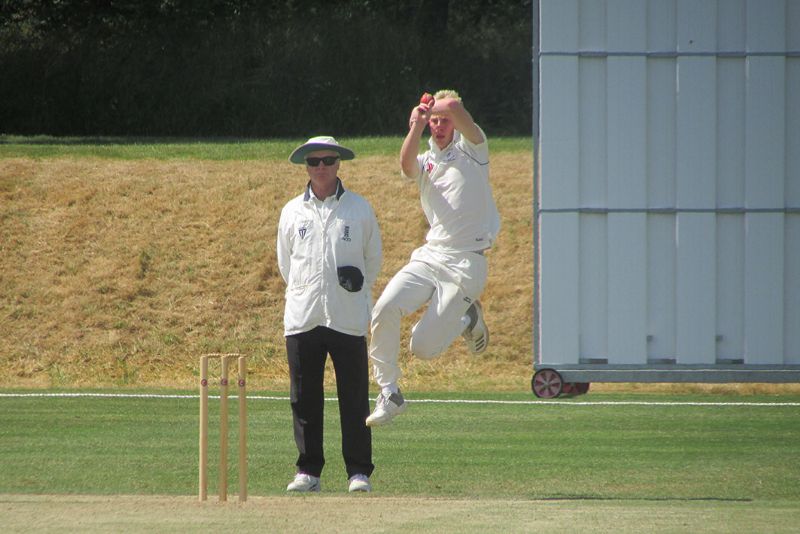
(307, 353)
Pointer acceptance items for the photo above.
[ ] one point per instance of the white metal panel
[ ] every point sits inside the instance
(669, 153)
(731, 25)
(626, 132)
(791, 304)
(763, 291)
(626, 23)
(695, 288)
(592, 25)
(627, 288)
(661, 287)
(558, 26)
(661, 26)
(729, 290)
(661, 137)
(558, 296)
(766, 25)
(697, 128)
(696, 26)
(593, 287)
(593, 139)
(792, 191)
(765, 109)
(730, 133)
(793, 26)
(559, 132)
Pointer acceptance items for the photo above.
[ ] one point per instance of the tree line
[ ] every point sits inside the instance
(250, 68)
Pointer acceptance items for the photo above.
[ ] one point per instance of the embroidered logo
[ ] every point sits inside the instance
(346, 236)
(302, 231)
(428, 167)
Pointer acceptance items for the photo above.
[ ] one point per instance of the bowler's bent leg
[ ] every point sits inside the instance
(409, 289)
(442, 322)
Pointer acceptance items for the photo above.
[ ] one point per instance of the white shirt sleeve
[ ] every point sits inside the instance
(284, 246)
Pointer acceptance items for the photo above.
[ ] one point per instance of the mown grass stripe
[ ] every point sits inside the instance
(413, 401)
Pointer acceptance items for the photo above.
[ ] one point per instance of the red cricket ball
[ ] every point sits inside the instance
(426, 98)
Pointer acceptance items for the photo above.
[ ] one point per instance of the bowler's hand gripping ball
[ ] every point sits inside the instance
(427, 99)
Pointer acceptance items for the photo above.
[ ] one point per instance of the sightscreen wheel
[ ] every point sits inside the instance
(573, 389)
(569, 390)
(547, 384)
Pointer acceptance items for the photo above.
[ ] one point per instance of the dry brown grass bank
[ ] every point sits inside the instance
(120, 273)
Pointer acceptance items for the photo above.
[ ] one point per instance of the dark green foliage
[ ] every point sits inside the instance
(259, 69)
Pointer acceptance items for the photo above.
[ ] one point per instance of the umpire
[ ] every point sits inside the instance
(329, 254)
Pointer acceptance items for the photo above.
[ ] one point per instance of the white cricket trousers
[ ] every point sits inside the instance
(450, 281)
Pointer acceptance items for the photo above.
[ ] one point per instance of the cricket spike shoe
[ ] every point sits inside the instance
(358, 483)
(477, 333)
(304, 483)
(386, 408)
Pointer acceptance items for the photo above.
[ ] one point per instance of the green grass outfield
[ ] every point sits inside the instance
(690, 463)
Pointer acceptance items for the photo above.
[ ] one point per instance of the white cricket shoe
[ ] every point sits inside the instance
(359, 483)
(477, 333)
(386, 408)
(304, 483)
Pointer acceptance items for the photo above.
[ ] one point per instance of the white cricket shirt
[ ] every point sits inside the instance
(457, 197)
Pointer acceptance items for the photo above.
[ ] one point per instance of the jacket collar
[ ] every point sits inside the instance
(339, 190)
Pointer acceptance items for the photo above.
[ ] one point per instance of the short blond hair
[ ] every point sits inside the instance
(446, 93)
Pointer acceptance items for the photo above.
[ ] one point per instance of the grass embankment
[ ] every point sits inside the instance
(121, 261)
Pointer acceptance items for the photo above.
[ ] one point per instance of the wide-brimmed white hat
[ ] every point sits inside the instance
(322, 142)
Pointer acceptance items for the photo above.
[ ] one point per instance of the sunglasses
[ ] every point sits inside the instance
(326, 160)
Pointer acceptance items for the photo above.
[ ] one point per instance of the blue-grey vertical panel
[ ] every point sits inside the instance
(731, 25)
(765, 132)
(730, 284)
(791, 293)
(730, 133)
(793, 25)
(660, 26)
(627, 288)
(559, 143)
(593, 286)
(766, 25)
(661, 286)
(627, 132)
(559, 299)
(696, 24)
(558, 26)
(792, 193)
(559, 132)
(593, 143)
(764, 277)
(626, 25)
(696, 132)
(792, 190)
(661, 136)
(695, 288)
(592, 25)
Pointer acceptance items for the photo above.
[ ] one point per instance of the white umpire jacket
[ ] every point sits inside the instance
(311, 246)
